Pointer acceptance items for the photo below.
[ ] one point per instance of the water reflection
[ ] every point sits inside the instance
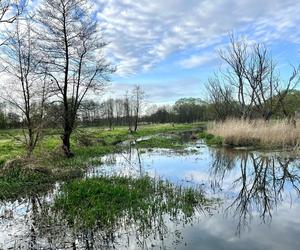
(250, 183)
(264, 180)
(140, 213)
(258, 190)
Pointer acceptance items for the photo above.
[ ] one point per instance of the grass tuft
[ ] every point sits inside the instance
(103, 201)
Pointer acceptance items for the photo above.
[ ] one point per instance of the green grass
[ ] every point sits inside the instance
(89, 144)
(17, 180)
(161, 142)
(104, 202)
(211, 139)
(21, 181)
(85, 141)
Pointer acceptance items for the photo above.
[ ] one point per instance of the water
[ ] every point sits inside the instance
(256, 204)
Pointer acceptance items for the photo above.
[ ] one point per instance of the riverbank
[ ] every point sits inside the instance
(19, 176)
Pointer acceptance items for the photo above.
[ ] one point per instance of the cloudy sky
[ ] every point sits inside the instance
(170, 46)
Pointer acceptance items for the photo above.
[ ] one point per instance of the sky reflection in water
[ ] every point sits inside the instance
(259, 192)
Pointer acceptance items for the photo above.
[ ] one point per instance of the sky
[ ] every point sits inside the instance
(170, 47)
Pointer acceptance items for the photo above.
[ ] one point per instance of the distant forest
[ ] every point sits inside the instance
(122, 112)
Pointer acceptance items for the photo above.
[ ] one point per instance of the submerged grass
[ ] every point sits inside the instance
(258, 133)
(105, 202)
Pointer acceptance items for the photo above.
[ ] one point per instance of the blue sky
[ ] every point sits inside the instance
(170, 47)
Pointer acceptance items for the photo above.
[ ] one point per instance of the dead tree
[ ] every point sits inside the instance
(221, 98)
(252, 73)
(72, 49)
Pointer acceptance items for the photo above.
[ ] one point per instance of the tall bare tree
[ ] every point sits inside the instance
(128, 111)
(138, 96)
(252, 73)
(72, 48)
(26, 88)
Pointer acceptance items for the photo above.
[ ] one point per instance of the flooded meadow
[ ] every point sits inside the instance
(198, 197)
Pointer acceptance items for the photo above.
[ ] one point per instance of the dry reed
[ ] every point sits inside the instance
(258, 133)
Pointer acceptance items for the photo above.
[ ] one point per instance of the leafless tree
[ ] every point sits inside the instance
(128, 111)
(109, 112)
(10, 10)
(252, 73)
(221, 98)
(27, 88)
(138, 96)
(120, 112)
(72, 49)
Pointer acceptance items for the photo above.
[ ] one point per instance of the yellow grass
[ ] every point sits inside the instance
(257, 133)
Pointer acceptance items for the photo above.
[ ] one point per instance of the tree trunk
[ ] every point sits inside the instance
(66, 142)
(136, 124)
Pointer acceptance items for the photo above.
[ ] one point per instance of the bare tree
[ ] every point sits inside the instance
(72, 48)
(10, 10)
(120, 113)
(221, 99)
(128, 111)
(138, 96)
(253, 75)
(26, 89)
(109, 112)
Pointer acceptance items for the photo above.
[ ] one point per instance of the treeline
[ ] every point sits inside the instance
(132, 110)
(114, 112)
(122, 112)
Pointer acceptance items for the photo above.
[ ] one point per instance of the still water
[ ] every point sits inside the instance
(256, 204)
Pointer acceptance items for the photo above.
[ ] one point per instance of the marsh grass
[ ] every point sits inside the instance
(173, 142)
(106, 202)
(48, 164)
(85, 142)
(272, 134)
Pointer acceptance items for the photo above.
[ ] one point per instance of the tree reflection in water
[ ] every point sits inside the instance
(263, 182)
(252, 184)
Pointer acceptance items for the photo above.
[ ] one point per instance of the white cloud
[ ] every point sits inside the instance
(165, 92)
(198, 60)
(143, 33)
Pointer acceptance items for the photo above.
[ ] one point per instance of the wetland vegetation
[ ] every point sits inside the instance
(85, 164)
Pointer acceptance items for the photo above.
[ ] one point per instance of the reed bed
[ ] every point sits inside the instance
(277, 133)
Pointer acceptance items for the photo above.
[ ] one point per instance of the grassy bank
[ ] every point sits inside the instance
(20, 176)
(257, 133)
